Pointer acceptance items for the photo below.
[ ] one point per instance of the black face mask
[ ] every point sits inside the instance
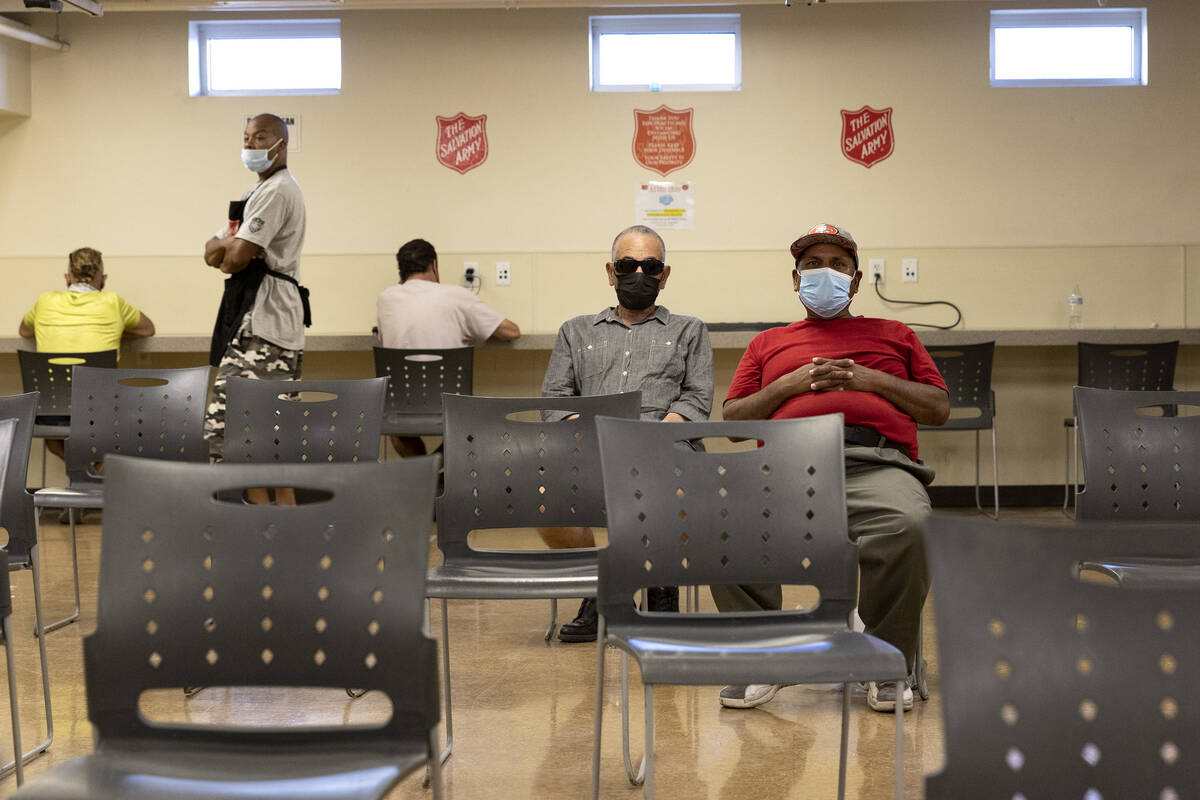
(637, 290)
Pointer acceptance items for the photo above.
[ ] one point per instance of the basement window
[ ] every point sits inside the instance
(230, 58)
(1069, 47)
(666, 53)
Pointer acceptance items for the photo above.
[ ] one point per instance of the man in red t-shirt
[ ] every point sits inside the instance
(879, 376)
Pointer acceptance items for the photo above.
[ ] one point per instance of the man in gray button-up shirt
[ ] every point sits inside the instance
(635, 345)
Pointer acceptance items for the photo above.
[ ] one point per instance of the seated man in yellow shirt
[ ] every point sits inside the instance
(84, 318)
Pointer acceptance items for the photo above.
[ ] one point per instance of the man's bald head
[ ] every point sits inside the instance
(271, 124)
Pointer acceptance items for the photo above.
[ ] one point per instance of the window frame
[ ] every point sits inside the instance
(600, 25)
(1073, 18)
(200, 32)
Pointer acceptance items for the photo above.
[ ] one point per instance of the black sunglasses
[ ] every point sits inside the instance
(650, 266)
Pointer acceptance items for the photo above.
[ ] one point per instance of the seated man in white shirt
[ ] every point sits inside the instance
(421, 312)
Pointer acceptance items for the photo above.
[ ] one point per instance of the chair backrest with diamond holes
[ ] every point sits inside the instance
(272, 421)
(417, 378)
(50, 374)
(1055, 682)
(679, 516)
(196, 591)
(512, 463)
(1141, 455)
(146, 413)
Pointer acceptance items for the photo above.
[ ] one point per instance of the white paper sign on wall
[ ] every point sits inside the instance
(665, 205)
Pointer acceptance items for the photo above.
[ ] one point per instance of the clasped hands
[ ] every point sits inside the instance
(831, 375)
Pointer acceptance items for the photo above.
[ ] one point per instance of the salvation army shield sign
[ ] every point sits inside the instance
(663, 140)
(462, 143)
(867, 136)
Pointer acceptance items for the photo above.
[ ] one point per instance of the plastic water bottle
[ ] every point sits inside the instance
(1075, 309)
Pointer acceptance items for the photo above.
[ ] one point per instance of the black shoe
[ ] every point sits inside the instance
(583, 627)
(662, 598)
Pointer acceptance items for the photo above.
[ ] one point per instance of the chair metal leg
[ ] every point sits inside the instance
(553, 618)
(18, 757)
(598, 723)
(640, 777)
(43, 486)
(900, 741)
(446, 668)
(1072, 468)
(33, 753)
(995, 478)
(433, 766)
(648, 758)
(74, 615)
(920, 678)
(846, 740)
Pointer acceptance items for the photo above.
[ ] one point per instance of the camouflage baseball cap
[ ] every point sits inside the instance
(86, 264)
(826, 234)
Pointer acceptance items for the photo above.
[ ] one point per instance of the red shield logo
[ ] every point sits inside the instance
(867, 136)
(462, 143)
(663, 139)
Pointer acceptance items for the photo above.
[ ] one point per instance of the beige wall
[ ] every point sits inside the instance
(14, 80)
(1008, 197)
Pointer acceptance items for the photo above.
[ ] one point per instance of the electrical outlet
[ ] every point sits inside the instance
(470, 273)
(908, 270)
(876, 270)
(503, 274)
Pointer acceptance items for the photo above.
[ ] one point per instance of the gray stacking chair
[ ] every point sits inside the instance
(1130, 367)
(1140, 456)
(967, 370)
(775, 514)
(17, 517)
(417, 378)
(8, 432)
(195, 590)
(49, 374)
(1055, 683)
(510, 473)
(268, 421)
(146, 413)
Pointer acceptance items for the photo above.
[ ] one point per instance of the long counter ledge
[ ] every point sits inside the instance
(725, 336)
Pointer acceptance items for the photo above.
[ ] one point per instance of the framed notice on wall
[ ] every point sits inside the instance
(665, 205)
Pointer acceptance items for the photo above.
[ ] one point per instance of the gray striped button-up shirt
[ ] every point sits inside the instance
(666, 356)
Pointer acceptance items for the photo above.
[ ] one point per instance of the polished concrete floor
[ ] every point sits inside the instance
(523, 709)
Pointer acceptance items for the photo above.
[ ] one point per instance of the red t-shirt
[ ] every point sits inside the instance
(881, 344)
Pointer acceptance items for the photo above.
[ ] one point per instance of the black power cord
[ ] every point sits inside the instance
(957, 311)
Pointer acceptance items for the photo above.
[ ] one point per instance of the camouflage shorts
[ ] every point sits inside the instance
(247, 356)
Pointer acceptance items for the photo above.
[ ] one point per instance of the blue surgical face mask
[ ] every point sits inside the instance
(824, 291)
(259, 160)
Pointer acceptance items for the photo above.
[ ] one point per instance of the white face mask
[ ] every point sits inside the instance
(825, 291)
(258, 160)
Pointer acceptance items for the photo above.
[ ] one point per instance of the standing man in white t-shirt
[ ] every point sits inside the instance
(421, 312)
(259, 331)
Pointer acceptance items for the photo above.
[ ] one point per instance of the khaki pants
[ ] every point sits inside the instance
(886, 507)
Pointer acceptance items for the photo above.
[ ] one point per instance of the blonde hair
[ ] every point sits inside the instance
(85, 265)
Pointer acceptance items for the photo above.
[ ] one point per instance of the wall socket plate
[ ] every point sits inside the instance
(876, 270)
(908, 270)
(503, 274)
(470, 273)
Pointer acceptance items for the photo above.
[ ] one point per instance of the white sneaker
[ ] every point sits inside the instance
(881, 696)
(748, 696)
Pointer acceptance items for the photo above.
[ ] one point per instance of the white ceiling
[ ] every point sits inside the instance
(16, 6)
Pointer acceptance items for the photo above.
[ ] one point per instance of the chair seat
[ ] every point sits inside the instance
(68, 497)
(516, 575)
(51, 431)
(397, 424)
(746, 650)
(176, 773)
